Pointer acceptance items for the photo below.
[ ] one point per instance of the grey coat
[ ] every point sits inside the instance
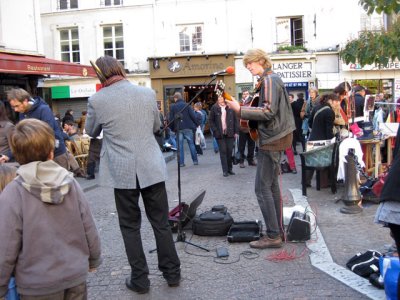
(129, 116)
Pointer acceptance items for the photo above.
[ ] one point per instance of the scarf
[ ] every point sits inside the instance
(223, 119)
(112, 80)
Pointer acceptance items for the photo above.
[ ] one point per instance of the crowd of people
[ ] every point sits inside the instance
(268, 122)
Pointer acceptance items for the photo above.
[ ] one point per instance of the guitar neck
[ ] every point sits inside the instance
(227, 96)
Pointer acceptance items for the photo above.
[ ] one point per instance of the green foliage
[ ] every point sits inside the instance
(385, 6)
(373, 47)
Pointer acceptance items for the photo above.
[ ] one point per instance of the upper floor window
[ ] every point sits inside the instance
(110, 2)
(190, 37)
(69, 39)
(374, 22)
(113, 41)
(67, 4)
(289, 31)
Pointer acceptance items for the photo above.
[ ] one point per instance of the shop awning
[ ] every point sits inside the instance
(29, 64)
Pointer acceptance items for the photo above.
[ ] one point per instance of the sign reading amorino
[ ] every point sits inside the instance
(295, 71)
(189, 66)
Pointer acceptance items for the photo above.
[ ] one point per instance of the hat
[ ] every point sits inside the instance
(358, 88)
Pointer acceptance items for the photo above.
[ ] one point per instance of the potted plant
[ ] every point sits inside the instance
(291, 49)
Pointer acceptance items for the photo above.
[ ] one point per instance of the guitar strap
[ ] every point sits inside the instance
(267, 92)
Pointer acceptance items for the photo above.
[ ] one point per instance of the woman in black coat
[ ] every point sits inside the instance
(321, 123)
(323, 117)
(225, 128)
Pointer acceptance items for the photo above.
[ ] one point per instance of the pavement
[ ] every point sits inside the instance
(316, 271)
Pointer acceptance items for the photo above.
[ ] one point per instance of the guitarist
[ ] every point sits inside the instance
(275, 126)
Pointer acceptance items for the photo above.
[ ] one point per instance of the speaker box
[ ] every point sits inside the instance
(299, 228)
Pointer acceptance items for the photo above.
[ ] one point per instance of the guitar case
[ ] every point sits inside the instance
(215, 222)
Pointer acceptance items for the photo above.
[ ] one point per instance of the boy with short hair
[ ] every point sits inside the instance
(47, 233)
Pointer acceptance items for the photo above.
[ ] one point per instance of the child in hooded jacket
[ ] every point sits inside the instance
(47, 233)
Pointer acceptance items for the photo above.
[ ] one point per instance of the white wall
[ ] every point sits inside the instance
(20, 24)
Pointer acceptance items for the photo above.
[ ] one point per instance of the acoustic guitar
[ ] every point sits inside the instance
(251, 125)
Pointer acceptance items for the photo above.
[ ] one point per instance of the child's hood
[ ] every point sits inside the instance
(46, 180)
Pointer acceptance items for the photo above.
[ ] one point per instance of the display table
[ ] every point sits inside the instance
(372, 162)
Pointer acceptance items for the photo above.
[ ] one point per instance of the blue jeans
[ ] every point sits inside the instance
(188, 135)
(268, 191)
(215, 143)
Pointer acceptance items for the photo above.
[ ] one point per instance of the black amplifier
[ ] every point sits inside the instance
(299, 228)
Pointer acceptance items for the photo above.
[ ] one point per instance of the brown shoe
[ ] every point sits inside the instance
(252, 163)
(266, 242)
(241, 165)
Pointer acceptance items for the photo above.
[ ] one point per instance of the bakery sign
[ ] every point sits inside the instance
(295, 71)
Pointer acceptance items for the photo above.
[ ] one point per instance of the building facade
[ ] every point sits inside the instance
(150, 36)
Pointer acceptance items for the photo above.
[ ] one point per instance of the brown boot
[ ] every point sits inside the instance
(266, 242)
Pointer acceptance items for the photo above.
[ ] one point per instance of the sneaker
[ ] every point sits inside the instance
(266, 242)
(225, 174)
(252, 163)
(135, 288)
(231, 172)
(241, 165)
(294, 171)
(182, 165)
(196, 163)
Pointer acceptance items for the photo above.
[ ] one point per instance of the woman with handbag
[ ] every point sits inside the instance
(225, 128)
(322, 122)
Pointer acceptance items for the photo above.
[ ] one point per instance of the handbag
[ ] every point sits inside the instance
(378, 185)
(199, 140)
(320, 157)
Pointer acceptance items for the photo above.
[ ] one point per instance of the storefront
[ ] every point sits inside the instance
(378, 79)
(297, 72)
(28, 71)
(191, 76)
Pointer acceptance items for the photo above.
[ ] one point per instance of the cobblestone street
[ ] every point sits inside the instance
(245, 275)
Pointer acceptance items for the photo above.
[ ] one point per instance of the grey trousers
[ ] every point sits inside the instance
(268, 191)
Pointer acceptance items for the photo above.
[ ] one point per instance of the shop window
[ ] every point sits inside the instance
(69, 40)
(190, 37)
(67, 4)
(111, 2)
(289, 31)
(113, 42)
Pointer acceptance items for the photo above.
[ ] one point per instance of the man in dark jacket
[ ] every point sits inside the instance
(359, 99)
(28, 107)
(244, 136)
(187, 125)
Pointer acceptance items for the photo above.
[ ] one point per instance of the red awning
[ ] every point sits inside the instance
(29, 64)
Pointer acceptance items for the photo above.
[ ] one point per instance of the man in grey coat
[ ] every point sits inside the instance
(131, 162)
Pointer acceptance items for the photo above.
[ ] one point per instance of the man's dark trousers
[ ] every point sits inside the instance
(129, 215)
(244, 137)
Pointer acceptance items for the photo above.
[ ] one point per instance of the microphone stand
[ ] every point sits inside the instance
(181, 235)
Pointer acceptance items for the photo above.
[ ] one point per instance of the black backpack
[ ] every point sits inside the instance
(364, 264)
(215, 222)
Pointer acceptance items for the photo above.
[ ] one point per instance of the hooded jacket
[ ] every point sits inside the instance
(41, 111)
(47, 233)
